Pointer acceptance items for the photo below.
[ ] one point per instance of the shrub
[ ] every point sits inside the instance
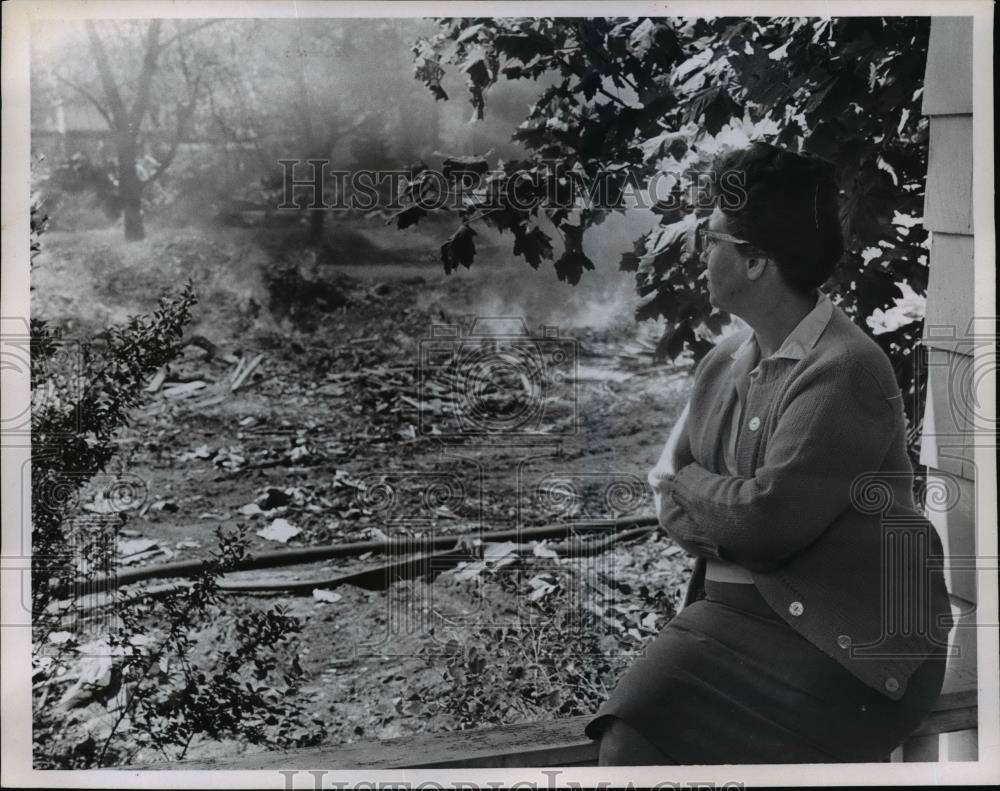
(126, 664)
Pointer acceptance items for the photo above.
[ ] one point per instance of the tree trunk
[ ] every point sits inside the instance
(134, 230)
(130, 189)
(317, 220)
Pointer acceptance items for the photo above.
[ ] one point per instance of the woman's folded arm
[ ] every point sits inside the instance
(678, 525)
(837, 428)
(688, 536)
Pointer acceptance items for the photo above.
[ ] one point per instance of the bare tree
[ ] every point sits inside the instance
(311, 86)
(125, 98)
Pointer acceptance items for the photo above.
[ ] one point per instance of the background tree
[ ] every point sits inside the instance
(332, 90)
(141, 76)
(634, 98)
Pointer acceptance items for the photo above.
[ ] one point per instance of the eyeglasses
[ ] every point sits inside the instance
(705, 236)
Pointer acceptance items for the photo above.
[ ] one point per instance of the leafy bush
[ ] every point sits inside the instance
(81, 400)
(155, 679)
(125, 663)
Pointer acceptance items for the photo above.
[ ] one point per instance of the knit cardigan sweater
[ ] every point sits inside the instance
(821, 509)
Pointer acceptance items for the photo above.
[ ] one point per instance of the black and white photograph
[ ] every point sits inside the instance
(486, 395)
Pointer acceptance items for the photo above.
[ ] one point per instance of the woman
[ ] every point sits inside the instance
(814, 628)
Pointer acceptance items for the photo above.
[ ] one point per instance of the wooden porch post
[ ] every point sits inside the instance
(950, 337)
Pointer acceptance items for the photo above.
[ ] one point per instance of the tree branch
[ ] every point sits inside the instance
(149, 61)
(183, 118)
(114, 98)
(187, 32)
(248, 117)
(346, 130)
(578, 75)
(93, 99)
(186, 112)
(584, 42)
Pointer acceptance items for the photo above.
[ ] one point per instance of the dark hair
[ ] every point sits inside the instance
(785, 204)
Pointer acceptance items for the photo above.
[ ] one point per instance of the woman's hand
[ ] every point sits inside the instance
(661, 473)
(659, 477)
(675, 451)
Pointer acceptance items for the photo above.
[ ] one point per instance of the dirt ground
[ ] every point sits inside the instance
(344, 402)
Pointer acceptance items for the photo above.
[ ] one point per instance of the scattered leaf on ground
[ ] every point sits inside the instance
(135, 545)
(279, 530)
(201, 452)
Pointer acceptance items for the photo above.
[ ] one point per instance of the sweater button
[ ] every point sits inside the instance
(796, 608)
(844, 641)
(754, 423)
(892, 684)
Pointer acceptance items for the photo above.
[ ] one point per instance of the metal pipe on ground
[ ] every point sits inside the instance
(294, 557)
(380, 577)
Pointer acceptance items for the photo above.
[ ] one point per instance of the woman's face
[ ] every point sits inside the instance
(726, 267)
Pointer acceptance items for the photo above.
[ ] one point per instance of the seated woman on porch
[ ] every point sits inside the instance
(813, 628)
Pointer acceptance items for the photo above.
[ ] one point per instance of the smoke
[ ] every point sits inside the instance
(604, 299)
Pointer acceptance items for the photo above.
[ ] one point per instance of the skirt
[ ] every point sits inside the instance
(727, 681)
